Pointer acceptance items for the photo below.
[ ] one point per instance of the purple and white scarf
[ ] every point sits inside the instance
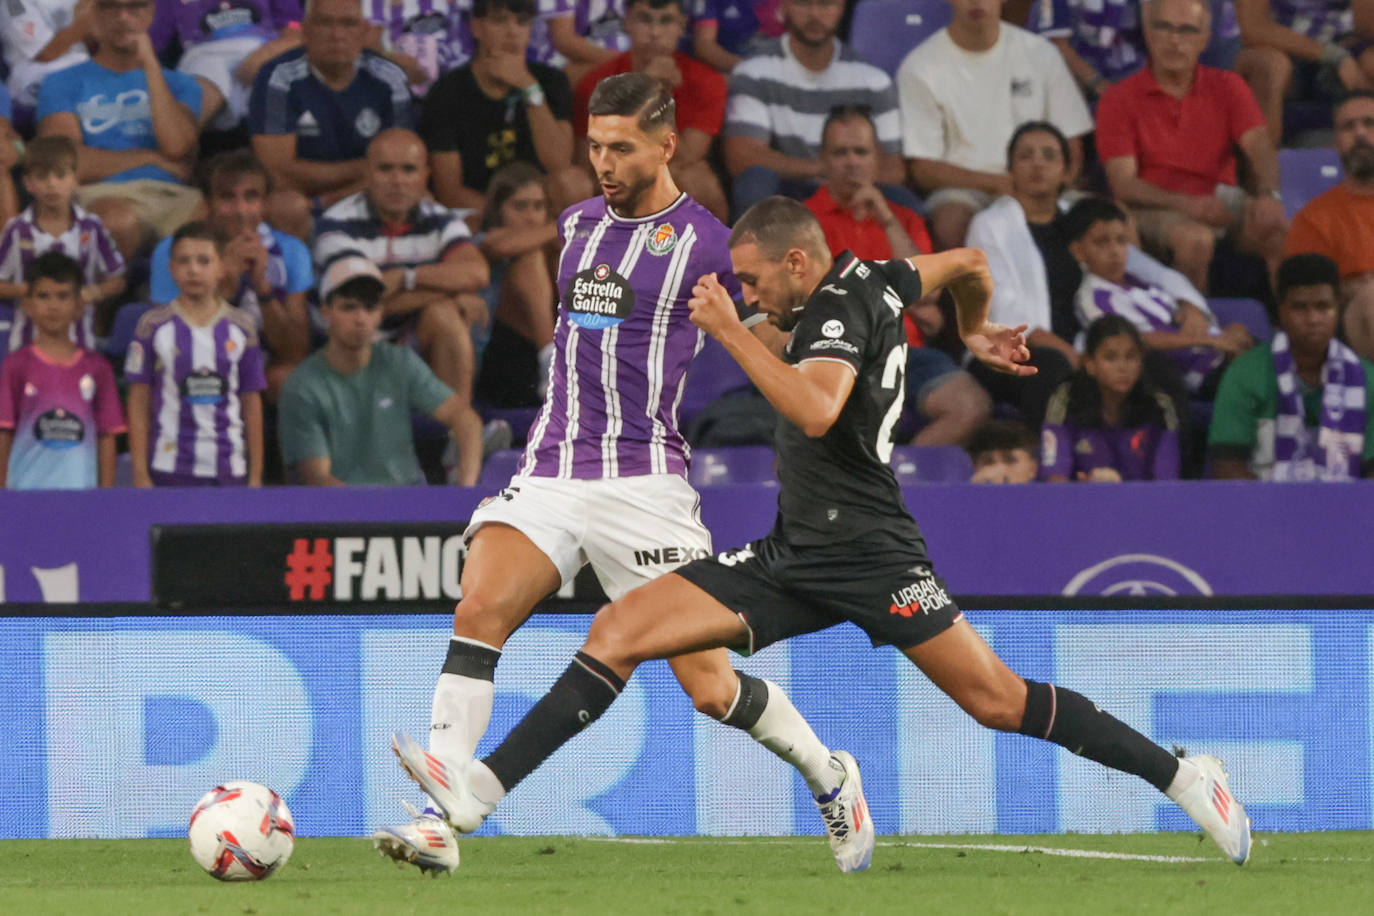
(1338, 449)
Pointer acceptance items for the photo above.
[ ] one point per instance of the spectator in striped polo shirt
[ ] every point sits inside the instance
(54, 223)
(779, 100)
(431, 269)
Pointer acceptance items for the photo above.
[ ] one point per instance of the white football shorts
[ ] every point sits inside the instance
(630, 529)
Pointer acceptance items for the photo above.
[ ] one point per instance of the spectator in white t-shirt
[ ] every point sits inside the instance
(962, 92)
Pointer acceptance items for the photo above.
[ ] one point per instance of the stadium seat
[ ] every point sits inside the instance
(713, 373)
(885, 31)
(499, 468)
(743, 464)
(917, 464)
(1305, 173)
(1249, 312)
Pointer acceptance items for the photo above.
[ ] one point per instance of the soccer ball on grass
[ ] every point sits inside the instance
(241, 831)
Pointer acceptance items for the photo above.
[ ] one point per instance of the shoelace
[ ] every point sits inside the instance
(836, 817)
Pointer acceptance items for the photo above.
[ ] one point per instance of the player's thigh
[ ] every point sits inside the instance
(523, 544)
(963, 665)
(639, 528)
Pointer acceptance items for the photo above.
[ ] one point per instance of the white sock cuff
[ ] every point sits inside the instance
(474, 642)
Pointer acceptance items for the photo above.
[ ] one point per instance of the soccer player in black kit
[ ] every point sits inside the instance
(844, 547)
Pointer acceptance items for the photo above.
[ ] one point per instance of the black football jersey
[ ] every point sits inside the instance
(839, 486)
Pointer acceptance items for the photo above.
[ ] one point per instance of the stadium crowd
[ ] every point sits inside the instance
(255, 241)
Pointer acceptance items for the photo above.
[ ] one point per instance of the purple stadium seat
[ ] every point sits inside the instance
(885, 31)
(1249, 312)
(742, 464)
(1305, 173)
(917, 464)
(499, 469)
(713, 373)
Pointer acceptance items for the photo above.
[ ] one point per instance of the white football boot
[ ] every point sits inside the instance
(445, 785)
(426, 842)
(845, 812)
(1209, 802)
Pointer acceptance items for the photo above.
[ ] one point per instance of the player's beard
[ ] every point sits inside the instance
(631, 192)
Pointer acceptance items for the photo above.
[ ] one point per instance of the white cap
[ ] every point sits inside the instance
(344, 269)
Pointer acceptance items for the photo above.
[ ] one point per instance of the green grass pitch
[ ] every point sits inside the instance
(1151, 873)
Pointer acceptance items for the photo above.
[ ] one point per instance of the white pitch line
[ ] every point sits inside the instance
(1054, 851)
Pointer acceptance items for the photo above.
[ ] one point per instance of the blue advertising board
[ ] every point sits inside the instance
(115, 726)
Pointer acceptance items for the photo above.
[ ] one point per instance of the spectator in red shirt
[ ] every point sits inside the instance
(856, 217)
(851, 209)
(655, 28)
(1168, 136)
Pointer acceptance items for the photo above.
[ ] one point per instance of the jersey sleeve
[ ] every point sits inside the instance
(834, 328)
(1056, 451)
(252, 376)
(111, 262)
(456, 232)
(109, 413)
(1235, 412)
(903, 277)
(11, 270)
(162, 288)
(301, 424)
(1244, 111)
(269, 105)
(438, 127)
(427, 391)
(1166, 460)
(300, 273)
(138, 361)
(185, 89)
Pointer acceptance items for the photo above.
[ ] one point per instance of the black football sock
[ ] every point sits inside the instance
(577, 699)
(1073, 721)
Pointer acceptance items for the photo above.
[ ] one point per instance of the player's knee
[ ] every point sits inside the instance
(613, 638)
(1000, 711)
(485, 617)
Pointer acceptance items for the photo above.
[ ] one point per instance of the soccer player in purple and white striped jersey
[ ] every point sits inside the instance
(53, 222)
(195, 380)
(603, 480)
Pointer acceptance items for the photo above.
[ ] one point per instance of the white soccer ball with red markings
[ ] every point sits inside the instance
(241, 831)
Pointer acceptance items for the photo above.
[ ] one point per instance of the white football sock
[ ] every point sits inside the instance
(486, 788)
(786, 733)
(1188, 773)
(460, 714)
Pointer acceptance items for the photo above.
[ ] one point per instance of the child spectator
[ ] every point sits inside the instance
(1003, 451)
(346, 411)
(195, 378)
(54, 223)
(1173, 319)
(59, 407)
(1107, 423)
(517, 230)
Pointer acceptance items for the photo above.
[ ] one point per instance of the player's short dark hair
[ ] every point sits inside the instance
(843, 114)
(45, 155)
(1087, 213)
(232, 165)
(635, 94)
(1002, 436)
(1351, 96)
(657, 4)
(198, 230)
(778, 223)
(1306, 270)
(55, 266)
(520, 9)
(505, 182)
(1039, 127)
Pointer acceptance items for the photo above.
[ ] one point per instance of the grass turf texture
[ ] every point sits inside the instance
(1289, 873)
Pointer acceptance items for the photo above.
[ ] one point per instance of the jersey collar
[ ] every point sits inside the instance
(610, 211)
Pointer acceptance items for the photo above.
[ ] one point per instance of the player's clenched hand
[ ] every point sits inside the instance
(1001, 347)
(712, 308)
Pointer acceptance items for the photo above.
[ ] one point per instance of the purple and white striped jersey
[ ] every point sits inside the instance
(86, 242)
(624, 340)
(196, 376)
(434, 32)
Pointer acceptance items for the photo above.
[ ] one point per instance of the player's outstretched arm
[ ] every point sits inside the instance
(810, 396)
(965, 272)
